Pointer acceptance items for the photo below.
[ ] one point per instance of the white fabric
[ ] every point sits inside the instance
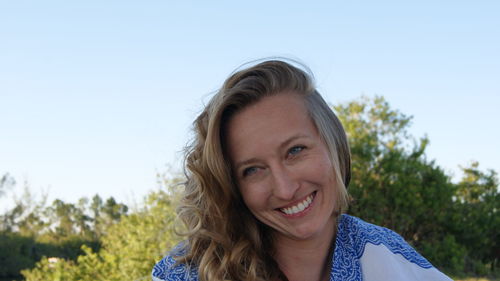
(379, 264)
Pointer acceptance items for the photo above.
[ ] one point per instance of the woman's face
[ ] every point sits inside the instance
(282, 167)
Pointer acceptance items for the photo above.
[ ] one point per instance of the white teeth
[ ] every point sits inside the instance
(299, 207)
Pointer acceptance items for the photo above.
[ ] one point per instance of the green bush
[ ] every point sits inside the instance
(129, 249)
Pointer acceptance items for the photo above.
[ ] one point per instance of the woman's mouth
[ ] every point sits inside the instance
(300, 206)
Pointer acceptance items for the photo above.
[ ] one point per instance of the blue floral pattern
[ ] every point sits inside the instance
(352, 236)
(169, 269)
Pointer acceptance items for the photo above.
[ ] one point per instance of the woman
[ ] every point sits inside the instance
(267, 173)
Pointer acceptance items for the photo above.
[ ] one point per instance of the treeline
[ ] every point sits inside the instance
(126, 250)
(31, 230)
(452, 223)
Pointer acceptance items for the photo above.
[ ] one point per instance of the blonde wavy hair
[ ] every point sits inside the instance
(224, 240)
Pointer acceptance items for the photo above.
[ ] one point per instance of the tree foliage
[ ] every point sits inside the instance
(6, 181)
(395, 185)
(129, 248)
(477, 221)
(32, 230)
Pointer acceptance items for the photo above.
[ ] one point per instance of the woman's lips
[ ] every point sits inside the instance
(299, 207)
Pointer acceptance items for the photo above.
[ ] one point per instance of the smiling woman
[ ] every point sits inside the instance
(267, 188)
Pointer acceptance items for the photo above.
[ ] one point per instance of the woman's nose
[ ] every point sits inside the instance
(285, 184)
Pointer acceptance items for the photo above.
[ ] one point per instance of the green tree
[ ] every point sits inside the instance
(31, 229)
(6, 182)
(393, 184)
(103, 214)
(16, 253)
(129, 249)
(477, 220)
(26, 215)
(95, 212)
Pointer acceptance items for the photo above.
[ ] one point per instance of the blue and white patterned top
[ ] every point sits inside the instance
(363, 251)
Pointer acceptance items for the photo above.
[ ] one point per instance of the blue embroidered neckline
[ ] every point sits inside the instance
(352, 236)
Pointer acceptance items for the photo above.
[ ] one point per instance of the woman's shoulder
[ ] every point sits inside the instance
(358, 233)
(377, 253)
(170, 269)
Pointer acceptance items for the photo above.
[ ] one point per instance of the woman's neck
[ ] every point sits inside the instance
(306, 259)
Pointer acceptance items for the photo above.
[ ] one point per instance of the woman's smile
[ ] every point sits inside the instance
(298, 209)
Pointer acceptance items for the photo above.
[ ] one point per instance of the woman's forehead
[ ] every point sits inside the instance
(267, 124)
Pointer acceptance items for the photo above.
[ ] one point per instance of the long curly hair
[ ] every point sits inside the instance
(224, 241)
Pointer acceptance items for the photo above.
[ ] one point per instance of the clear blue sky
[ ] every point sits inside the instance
(98, 96)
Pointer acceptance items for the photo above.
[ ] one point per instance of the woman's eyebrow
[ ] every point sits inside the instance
(246, 162)
(291, 139)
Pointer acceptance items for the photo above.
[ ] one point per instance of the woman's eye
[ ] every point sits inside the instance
(295, 150)
(249, 171)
